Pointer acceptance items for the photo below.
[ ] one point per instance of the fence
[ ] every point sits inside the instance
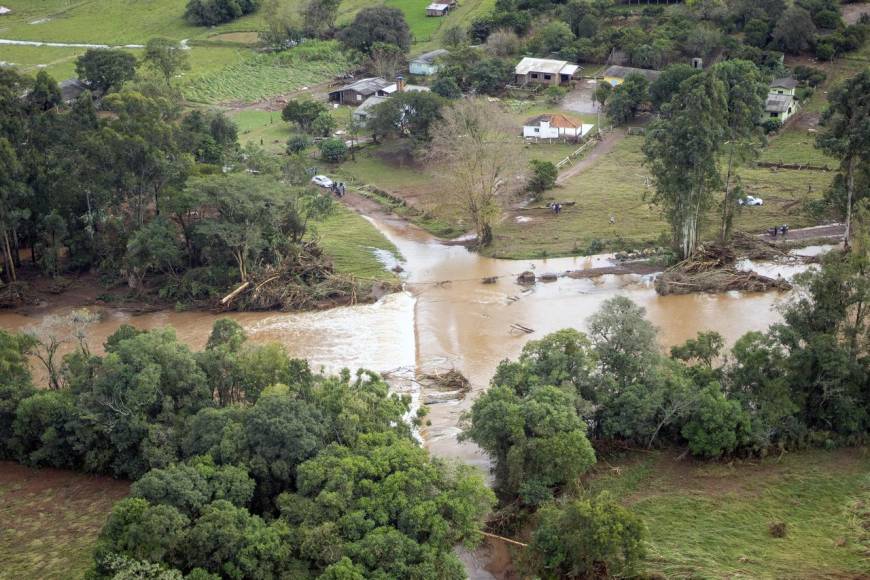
(576, 153)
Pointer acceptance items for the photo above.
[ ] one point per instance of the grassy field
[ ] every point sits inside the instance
(710, 520)
(795, 145)
(617, 185)
(351, 241)
(50, 519)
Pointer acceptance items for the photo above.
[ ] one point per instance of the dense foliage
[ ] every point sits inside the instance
(247, 464)
(144, 193)
(212, 12)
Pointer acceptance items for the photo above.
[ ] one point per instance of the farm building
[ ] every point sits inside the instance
(425, 64)
(615, 75)
(780, 107)
(358, 91)
(554, 127)
(783, 86)
(70, 89)
(544, 71)
(361, 114)
(436, 9)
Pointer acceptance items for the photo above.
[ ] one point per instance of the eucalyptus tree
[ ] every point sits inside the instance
(682, 152)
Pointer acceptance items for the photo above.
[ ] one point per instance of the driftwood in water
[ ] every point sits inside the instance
(521, 328)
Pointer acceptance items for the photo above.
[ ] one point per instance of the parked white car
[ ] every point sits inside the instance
(322, 181)
(750, 200)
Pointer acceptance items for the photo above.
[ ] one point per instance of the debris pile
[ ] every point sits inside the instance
(447, 386)
(712, 269)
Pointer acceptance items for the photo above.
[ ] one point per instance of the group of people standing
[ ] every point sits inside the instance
(338, 189)
(781, 230)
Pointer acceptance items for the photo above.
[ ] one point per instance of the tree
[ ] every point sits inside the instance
(490, 76)
(212, 12)
(626, 99)
(552, 37)
(303, 112)
(476, 148)
(745, 93)
(166, 57)
(447, 88)
(717, 425)
(386, 60)
(682, 150)
(106, 69)
(152, 248)
(283, 24)
(586, 538)
(537, 441)
(333, 150)
(44, 430)
(45, 94)
(543, 177)
(323, 125)
(378, 24)
(756, 32)
(795, 31)
(846, 134)
(318, 17)
(624, 340)
(668, 83)
(406, 115)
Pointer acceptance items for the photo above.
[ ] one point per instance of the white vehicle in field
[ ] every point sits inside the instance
(322, 181)
(750, 200)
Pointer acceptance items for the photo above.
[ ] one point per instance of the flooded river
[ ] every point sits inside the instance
(447, 318)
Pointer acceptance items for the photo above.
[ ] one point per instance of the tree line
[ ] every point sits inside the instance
(804, 382)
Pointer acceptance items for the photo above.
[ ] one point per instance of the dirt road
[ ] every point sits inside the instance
(605, 146)
(815, 232)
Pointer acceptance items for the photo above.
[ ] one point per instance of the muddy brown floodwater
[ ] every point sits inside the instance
(448, 318)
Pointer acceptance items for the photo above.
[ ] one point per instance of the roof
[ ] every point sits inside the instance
(70, 89)
(5, 10)
(367, 86)
(544, 65)
(439, 7)
(784, 83)
(620, 72)
(430, 57)
(417, 89)
(370, 102)
(559, 121)
(778, 103)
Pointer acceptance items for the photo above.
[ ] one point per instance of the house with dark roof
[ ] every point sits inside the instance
(426, 64)
(615, 75)
(554, 126)
(783, 86)
(358, 91)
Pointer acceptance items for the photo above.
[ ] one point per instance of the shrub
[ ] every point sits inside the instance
(297, 144)
(555, 94)
(212, 12)
(543, 176)
(771, 126)
(333, 150)
(447, 88)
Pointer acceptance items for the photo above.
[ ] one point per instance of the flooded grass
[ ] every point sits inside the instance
(50, 520)
(351, 242)
(711, 520)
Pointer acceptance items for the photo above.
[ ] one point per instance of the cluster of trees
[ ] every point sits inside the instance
(806, 381)
(591, 31)
(137, 189)
(213, 12)
(247, 464)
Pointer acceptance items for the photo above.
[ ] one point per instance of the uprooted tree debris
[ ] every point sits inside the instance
(304, 280)
(712, 268)
(449, 385)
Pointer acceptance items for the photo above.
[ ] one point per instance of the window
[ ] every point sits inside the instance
(534, 75)
(359, 97)
(774, 114)
(537, 129)
(547, 77)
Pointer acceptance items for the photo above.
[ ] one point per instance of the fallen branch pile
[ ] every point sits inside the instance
(450, 386)
(712, 269)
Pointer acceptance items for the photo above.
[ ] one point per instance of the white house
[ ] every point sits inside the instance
(544, 71)
(783, 86)
(425, 64)
(554, 127)
(361, 114)
(780, 107)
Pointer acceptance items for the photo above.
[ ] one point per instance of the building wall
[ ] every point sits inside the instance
(539, 78)
(782, 91)
(547, 132)
(417, 68)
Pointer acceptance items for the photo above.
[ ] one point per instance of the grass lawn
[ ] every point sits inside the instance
(351, 241)
(50, 520)
(796, 145)
(264, 128)
(710, 520)
(616, 185)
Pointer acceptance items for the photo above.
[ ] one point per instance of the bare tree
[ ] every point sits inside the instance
(52, 333)
(479, 158)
